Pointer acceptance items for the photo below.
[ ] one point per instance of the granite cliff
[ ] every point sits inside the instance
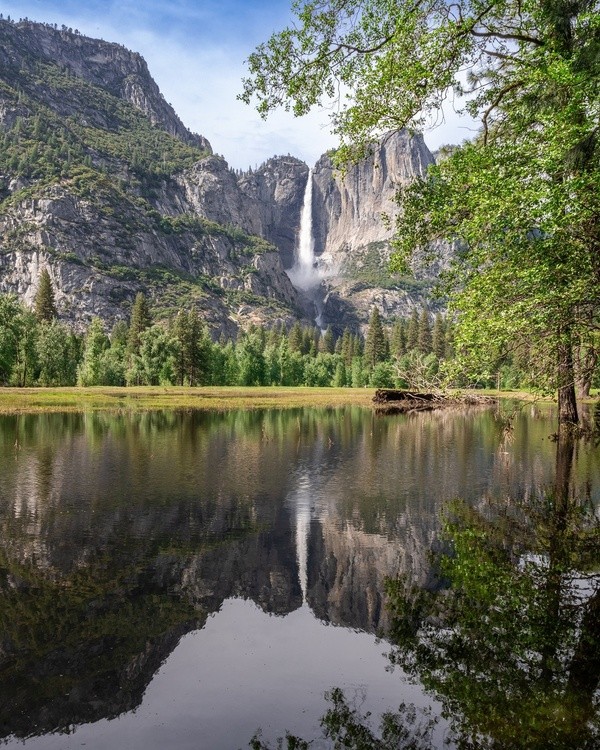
(352, 241)
(103, 185)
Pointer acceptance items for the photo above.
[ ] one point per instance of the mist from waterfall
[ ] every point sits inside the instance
(304, 273)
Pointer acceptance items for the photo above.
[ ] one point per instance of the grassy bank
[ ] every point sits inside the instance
(219, 398)
(32, 400)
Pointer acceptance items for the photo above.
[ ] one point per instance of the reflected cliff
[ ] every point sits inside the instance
(122, 533)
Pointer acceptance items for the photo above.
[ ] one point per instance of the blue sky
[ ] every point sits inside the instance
(195, 50)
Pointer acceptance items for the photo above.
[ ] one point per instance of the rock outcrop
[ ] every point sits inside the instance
(348, 206)
(109, 66)
(101, 184)
(265, 202)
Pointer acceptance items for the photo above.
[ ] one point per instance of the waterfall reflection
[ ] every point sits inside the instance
(509, 638)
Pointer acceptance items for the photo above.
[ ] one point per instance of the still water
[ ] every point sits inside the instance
(182, 580)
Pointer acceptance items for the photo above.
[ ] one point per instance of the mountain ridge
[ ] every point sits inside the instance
(103, 185)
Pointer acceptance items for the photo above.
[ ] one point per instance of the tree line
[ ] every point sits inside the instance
(518, 201)
(36, 348)
(417, 352)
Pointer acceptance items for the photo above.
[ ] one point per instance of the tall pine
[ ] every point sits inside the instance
(398, 339)
(375, 342)
(412, 331)
(424, 337)
(439, 337)
(45, 306)
(140, 320)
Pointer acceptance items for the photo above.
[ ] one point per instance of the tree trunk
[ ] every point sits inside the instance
(557, 554)
(584, 675)
(567, 402)
(586, 365)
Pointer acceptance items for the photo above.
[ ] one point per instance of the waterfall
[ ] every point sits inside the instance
(304, 274)
(300, 501)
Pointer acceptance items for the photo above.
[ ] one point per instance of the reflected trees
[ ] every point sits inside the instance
(510, 642)
(508, 636)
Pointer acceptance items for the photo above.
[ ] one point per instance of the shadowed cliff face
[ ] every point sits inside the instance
(266, 202)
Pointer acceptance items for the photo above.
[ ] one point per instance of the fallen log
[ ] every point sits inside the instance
(391, 401)
(384, 395)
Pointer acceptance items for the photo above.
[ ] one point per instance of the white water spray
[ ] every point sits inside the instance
(304, 273)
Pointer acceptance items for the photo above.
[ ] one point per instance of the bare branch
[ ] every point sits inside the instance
(511, 37)
(501, 94)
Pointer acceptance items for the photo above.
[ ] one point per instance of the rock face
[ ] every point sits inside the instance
(99, 272)
(352, 240)
(102, 184)
(112, 67)
(117, 196)
(348, 207)
(265, 202)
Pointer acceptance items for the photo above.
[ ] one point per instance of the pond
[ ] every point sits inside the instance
(184, 580)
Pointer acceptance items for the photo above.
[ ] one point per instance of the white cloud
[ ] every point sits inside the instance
(202, 85)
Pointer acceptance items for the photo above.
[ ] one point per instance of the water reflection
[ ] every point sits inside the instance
(122, 534)
(512, 644)
(509, 638)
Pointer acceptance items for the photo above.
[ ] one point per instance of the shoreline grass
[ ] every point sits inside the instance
(209, 398)
(152, 398)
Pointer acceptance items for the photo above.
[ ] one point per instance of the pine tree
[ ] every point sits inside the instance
(295, 338)
(45, 306)
(359, 345)
(193, 349)
(328, 341)
(424, 337)
(347, 347)
(274, 336)
(412, 331)
(439, 337)
(398, 339)
(307, 341)
(140, 320)
(375, 342)
(182, 337)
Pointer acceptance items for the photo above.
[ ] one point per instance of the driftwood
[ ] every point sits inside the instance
(384, 395)
(390, 401)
